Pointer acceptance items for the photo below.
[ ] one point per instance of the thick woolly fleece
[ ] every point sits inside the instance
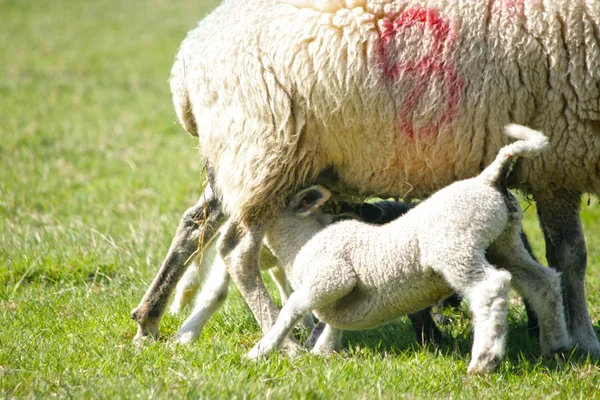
(400, 97)
(356, 276)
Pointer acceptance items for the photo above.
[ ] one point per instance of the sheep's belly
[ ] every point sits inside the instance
(364, 309)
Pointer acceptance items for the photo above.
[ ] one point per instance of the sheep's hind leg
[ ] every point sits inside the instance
(486, 289)
(239, 247)
(210, 299)
(198, 225)
(558, 212)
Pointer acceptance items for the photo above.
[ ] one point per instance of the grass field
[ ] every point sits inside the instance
(94, 175)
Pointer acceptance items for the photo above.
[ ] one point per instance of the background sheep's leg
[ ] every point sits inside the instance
(558, 212)
(330, 341)
(239, 247)
(315, 334)
(425, 328)
(198, 224)
(210, 299)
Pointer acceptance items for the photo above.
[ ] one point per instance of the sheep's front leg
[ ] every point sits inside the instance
(239, 248)
(558, 212)
(198, 225)
(210, 299)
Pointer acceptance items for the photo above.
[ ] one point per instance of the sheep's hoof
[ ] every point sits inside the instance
(147, 329)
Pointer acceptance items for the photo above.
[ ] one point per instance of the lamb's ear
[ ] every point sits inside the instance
(309, 200)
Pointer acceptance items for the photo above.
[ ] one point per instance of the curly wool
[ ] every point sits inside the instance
(400, 97)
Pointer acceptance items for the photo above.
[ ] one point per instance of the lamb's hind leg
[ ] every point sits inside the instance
(486, 289)
(199, 222)
(541, 286)
(558, 212)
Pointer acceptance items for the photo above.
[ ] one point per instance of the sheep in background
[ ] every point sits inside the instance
(357, 276)
(387, 98)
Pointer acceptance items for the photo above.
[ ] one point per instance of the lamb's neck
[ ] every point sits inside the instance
(288, 235)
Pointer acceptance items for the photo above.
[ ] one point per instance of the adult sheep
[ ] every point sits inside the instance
(391, 98)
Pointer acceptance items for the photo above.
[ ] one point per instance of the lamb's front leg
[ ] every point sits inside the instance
(329, 342)
(210, 299)
(332, 283)
(239, 247)
(298, 305)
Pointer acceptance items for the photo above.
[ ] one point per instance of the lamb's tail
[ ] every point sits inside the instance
(530, 144)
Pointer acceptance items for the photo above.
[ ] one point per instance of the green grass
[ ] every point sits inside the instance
(94, 175)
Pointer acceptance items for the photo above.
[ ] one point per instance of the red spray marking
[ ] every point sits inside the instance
(513, 7)
(432, 65)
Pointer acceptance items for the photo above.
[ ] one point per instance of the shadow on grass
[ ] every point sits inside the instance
(522, 348)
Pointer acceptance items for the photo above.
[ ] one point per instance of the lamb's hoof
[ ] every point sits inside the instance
(324, 351)
(478, 371)
(184, 338)
(256, 354)
(484, 364)
(290, 346)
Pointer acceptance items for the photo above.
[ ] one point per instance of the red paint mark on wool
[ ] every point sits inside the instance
(433, 65)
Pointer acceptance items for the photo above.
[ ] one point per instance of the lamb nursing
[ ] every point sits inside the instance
(356, 276)
(388, 98)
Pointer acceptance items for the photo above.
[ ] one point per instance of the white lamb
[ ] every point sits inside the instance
(357, 276)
